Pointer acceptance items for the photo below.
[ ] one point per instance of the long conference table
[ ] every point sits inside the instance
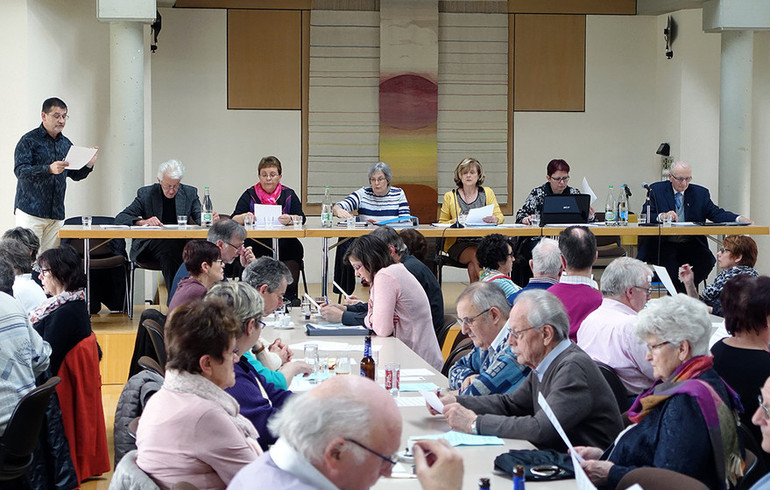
(478, 460)
(428, 231)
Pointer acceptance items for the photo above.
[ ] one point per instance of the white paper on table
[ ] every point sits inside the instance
(476, 215)
(416, 372)
(455, 438)
(78, 156)
(410, 401)
(665, 279)
(683, 223)
(587, 190)
(114, 227)
(262, 211)
(557, 425)
(433, 400)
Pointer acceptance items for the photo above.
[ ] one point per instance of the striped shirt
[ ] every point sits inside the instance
(377, 208)
(502, 281)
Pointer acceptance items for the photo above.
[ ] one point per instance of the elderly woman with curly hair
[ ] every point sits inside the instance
(737, 256)
(495, 255)
(686, 421)
(192, 430)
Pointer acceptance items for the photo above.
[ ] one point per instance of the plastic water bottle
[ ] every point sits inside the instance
(610, 207)
(622, 216)
(207, 213)
(326, 209)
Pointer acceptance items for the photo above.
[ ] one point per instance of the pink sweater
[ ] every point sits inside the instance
(398, 305)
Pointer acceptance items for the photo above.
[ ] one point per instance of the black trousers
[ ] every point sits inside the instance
(165, 253)
(685, 250)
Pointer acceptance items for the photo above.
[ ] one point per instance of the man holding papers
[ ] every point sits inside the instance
(41, 170)
(566, 376)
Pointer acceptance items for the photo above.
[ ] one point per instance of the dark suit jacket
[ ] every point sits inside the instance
(698, 206)
(148, 203)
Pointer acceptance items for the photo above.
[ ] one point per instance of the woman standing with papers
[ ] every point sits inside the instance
(398, 305)
(468, 176)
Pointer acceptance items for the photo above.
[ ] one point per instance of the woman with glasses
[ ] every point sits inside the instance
(737, 256)
(258, 399)
(495, 255)
(743, 359)
(686, 422)
(62, 320)
(191, 430)
(206, 268)
(398, 304)
(557, 178)
(380, 201)
(269, 190)
(469, 194)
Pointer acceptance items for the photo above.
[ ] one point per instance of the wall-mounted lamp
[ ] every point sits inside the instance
(664, 150)
(669, 34)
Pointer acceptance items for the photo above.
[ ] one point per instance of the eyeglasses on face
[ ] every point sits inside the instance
(651, 348)
(40, 270)
(681, 180)
(168, 187)
(469, 320)
(765, 410)
(723, 250)
(58, 115)
(236, 247)
(381, 456)
(357, 267)
(645, 289)
(516, 334)
(560, 179)
(377, 180)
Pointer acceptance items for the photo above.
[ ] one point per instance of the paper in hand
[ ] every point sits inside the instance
(476, 215)
(433, 400)
(665, 279)
(78, 156)
(587, 190)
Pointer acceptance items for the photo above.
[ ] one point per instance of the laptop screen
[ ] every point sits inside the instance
(564, 209)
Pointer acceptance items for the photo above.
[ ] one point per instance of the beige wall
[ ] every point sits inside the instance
(635, 99)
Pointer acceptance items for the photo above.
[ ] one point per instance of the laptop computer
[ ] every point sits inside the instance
(565, 209)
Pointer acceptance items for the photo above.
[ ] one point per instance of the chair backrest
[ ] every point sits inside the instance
(147, 362)
(452, 337)
(616, 385)
(449, 321)
(650, 478)
(129, 476)
(463, 347)
(756, 459)
(21, 434)
(155, 331)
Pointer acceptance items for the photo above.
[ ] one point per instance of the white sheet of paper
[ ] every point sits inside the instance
(79, 156)
(587, 190)
(557, 425)
(476, 215)
(665, 279)
(433, 400)
(416, 372)
(261, 211)
(581, 478)
(410, 401)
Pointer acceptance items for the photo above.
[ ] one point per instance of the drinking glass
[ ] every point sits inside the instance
(351, 222)
(343, 365)
(667, 220)
(393, 377)
(181, 220)
(269, 222)
(249, 220)
(311, 355)
(86, 220)
(535, 220)
(297, 222)
(461, 219)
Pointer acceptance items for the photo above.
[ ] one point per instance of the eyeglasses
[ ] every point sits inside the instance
(377, 180)
(723, 250)
(36, 267)
(517, 334)
(236, 247)
(469, 321)
(357, 266)
(763, 407)
(168, 187)
(560, 179)
(381, 456)
(651, 348)
(680, 179)
(646, 290)
(268, 176)
(58, 116)
(220, 262)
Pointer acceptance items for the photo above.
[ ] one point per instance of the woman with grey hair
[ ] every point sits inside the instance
(375, 203)
(686, 422)
(25, 289)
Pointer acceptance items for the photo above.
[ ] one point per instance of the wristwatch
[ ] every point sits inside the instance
(474, 430)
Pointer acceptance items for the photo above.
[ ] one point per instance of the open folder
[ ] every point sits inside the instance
(314, 330)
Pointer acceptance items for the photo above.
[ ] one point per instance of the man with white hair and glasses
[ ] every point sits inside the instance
(607, 333)
(566, 376)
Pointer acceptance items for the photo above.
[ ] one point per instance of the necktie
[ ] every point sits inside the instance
(679, 208)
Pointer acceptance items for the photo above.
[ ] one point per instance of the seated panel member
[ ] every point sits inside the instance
(491, 367)
(159, 204)
(566, 376)
(683, 201)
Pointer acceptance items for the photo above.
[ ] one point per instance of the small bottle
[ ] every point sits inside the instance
(609, 208)
(326, 209)
(518, 477)
(484, 484)
(622, 216)
(207, 213)
(367, 362)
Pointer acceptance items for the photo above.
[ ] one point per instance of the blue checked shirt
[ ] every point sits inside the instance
(498, 370)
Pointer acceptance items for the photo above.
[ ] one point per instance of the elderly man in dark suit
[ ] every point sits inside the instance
(159, 204)
(683, 201)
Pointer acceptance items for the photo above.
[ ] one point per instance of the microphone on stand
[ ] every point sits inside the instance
(457, 224)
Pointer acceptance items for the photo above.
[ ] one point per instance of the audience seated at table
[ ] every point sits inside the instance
(27, 291)
(545, 264)
(686, 422)
(737, 256)
(607, 333)
(495, 257)
(491, 367)
(397, 303)
(206, 268)
(742, 359)
(270, 191)
(191, 430)
(565, 375)
(274, 360)
(378, 202)
(258, 399)
(576, 288)
(469, 194)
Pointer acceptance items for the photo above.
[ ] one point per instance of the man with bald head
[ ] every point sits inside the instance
(683, 201)
(342, 435)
